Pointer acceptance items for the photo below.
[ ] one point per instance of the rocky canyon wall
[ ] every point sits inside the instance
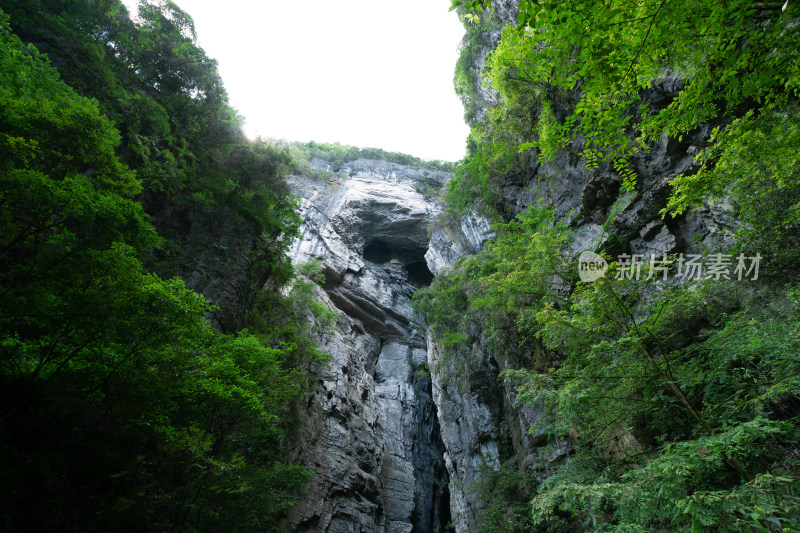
(482, 424)
(372, 435)
(399, 434)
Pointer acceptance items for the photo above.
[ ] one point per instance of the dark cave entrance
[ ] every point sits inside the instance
(377, 252)
(418, 273)
(380, 252)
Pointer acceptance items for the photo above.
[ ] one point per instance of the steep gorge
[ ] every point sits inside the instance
(173, 413)
(403, 435)
(373, 437)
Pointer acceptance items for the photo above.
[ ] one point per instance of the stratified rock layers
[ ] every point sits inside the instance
(372, 438)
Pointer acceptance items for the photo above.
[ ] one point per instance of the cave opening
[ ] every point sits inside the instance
(377, 252)
(418, 273)
(380, 252)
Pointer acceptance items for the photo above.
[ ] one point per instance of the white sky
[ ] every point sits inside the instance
(369, 73)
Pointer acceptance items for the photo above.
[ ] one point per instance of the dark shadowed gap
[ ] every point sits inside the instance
(444, 506)
(418, 273)
(377, 252)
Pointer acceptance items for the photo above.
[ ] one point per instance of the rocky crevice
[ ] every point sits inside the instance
(397, 441)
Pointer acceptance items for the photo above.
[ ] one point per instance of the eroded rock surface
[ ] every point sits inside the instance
(400, 432)
(373, 438)
(449, 243)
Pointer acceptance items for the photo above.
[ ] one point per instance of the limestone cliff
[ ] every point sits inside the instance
(372, 437)
(398, 441)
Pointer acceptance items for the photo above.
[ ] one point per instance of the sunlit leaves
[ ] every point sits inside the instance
(726, 54)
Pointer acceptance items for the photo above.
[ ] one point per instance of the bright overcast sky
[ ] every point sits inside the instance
(369, 73)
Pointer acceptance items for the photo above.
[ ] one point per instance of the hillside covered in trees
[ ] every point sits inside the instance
(121, 407)
(663, 395)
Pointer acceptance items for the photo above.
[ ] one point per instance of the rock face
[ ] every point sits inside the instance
(399, 432)
(481, 424)
(372, 437)
(448, 244)
(504, 12)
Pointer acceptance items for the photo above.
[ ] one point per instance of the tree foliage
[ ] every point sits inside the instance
(733, 66)
(727, 54)
(681, 399)
(336, 155)
(122, 409)
(681, 427)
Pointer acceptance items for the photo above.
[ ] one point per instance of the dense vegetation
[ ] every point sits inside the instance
(681, 398)
(337, 154)
(121, 408)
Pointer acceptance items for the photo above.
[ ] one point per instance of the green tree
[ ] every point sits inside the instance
(732, 66)
(727, 54)
(67, 215)
(122, 409)
(674, 428)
